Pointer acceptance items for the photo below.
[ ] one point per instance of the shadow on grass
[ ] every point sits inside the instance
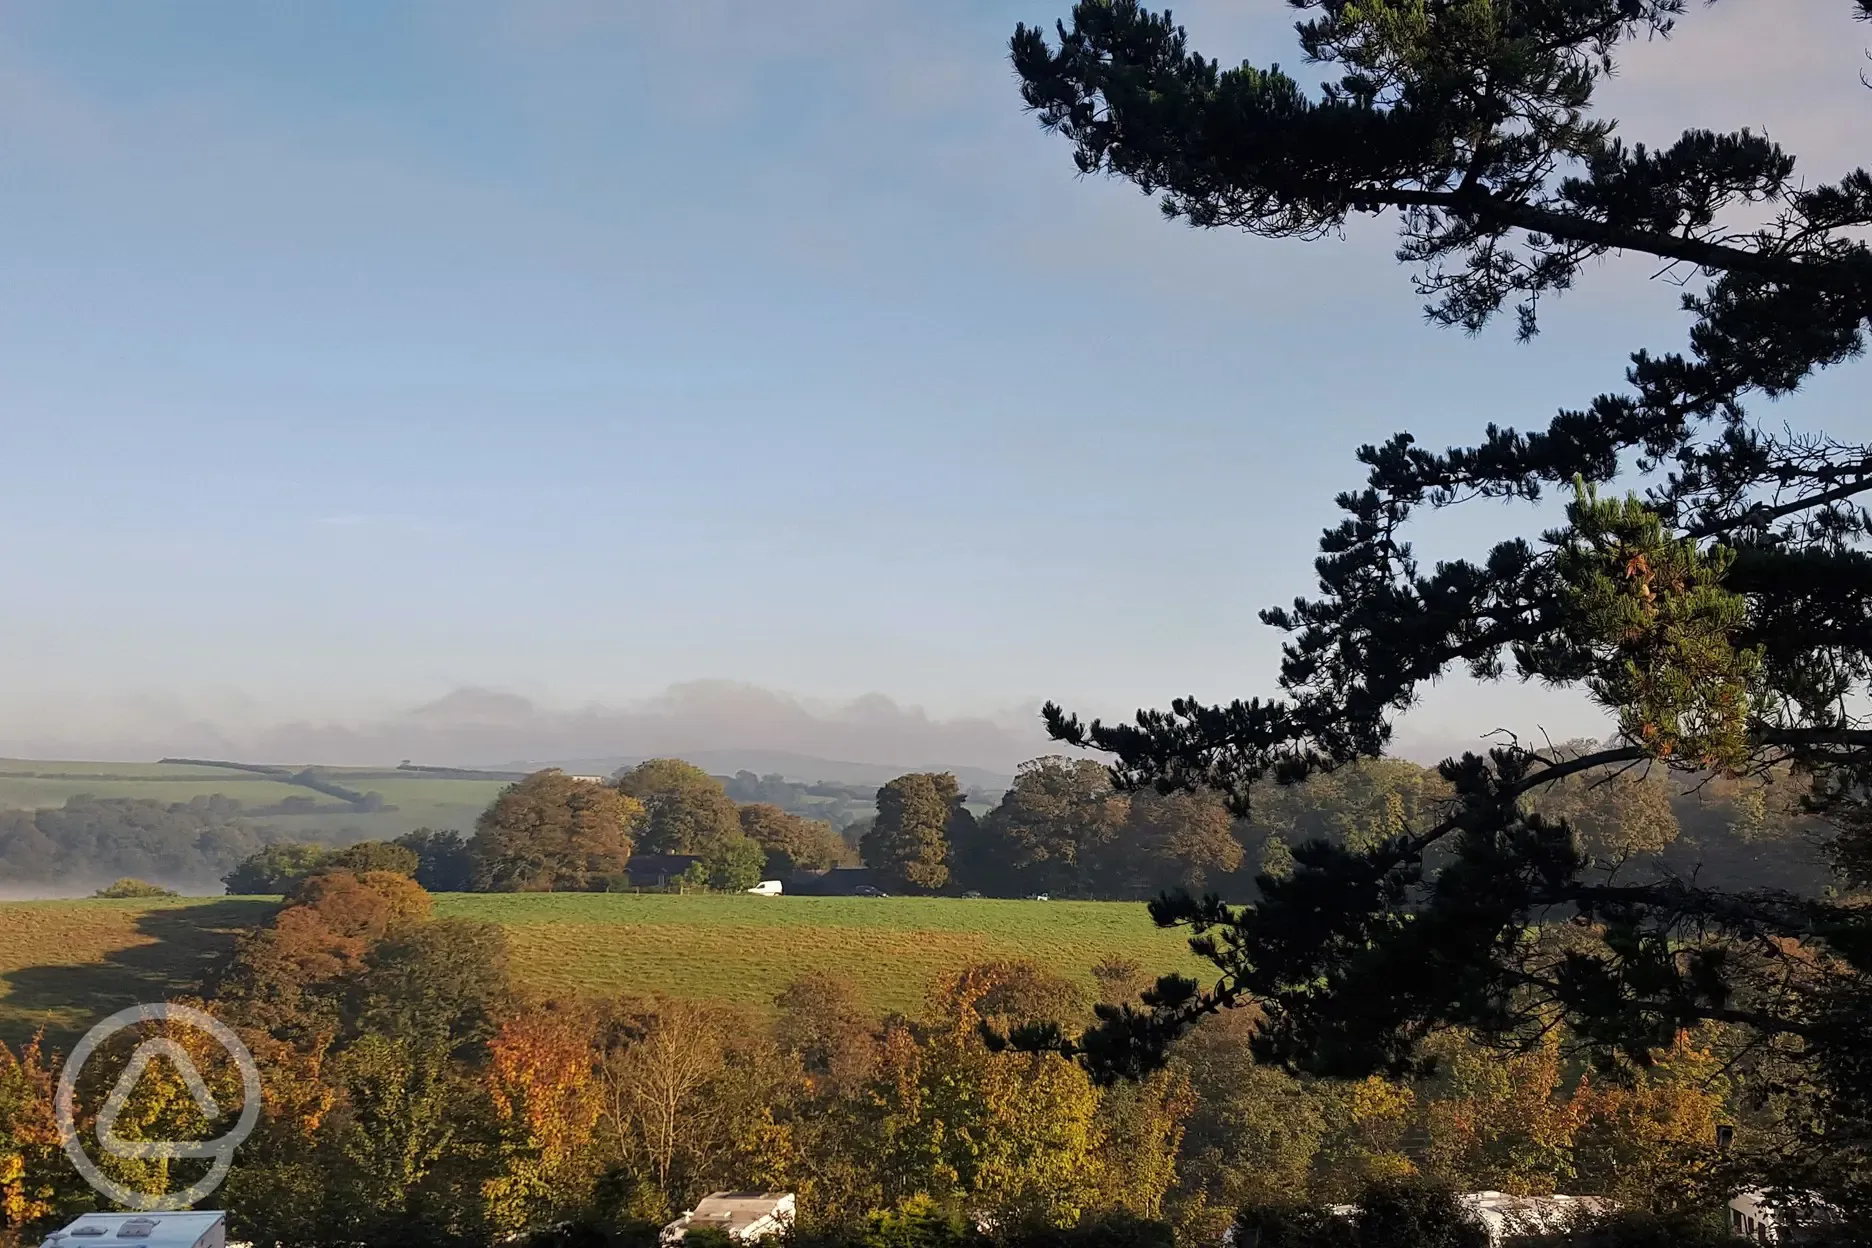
(186, 944)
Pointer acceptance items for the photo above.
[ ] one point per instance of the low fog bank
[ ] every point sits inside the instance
(720, 725)
(483, 728)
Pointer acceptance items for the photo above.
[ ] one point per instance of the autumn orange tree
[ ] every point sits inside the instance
(370, 1020)
(551, 832)
(35, 1183)
(792, 842)
(1648, 1140)
(430, 1105)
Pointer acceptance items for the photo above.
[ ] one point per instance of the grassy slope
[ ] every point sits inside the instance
(421, 801)
(142, 771)
(64, 964)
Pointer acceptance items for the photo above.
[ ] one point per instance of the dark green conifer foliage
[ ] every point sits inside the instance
(1711, 588)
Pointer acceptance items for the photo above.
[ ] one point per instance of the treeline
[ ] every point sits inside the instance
(90, 841)
(1060, 830)
(416, 1095)
(318, 779)
(842, 806)
(849, 808)
(553, 833)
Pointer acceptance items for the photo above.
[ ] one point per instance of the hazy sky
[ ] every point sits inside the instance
(354, 353)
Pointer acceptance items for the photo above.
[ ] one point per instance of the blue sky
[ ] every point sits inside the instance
(354, 353)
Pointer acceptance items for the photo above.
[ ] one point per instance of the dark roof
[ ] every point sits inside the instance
(834, 882)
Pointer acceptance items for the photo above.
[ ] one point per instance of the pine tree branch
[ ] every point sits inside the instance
(1834, 277)
(1761, 514)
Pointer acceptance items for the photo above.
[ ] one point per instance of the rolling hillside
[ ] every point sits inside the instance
(64, 964)
(411, 798)
(419, 800)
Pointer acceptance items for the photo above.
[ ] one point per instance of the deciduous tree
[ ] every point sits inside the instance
(128, 888)
(1058, 829)
(35, 1181)
(693, 1100)
(822, 1021)
(551, 832)
(276, 869)
(687, 809)
(542, 1083)
(792, 842)
(1009, 1134)
(1499, 1121)
(908, 843)
(734, 864)
(439, 985)
(400, 1166)
(1178, 841)
(1647, 1138)
(1252, 1135)
(377, 856)
(443, 861)
(287, 979)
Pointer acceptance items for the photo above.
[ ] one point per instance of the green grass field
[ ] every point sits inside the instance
(420, 801)
(64, 964)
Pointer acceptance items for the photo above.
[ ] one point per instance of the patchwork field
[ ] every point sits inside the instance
(64, 964)
(420, 800)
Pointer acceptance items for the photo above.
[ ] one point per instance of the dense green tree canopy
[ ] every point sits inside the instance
(1721, 614)
(443, 863)
(1177, 841)
(276, 869)
(1053, 832)
(129, 887)
(440, 984)
(734, 864)
(1062, 830)
(687, 808)
(918, 817)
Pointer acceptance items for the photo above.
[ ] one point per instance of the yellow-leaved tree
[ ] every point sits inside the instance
(541, 1083)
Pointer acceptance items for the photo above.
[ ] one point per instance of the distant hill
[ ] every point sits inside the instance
(800, 767)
